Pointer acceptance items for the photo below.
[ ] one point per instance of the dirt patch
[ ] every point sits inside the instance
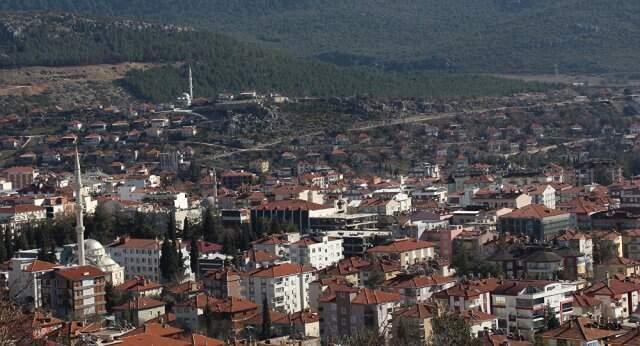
(64, 87)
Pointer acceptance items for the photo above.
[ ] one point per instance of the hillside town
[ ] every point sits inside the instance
(267, 220)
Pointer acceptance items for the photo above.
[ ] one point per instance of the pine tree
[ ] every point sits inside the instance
(228, 244)
(266, 319)
(3, 249)
(194, 255)
(171, 226)
(169, 265)
(210, 226)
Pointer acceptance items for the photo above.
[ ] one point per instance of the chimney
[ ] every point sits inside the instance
(606, 275)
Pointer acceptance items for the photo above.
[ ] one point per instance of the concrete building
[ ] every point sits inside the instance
(285, 286)
(349, 311)
(140, 310)
(25, 280)
(318, 252)
(535, 221)
(407, 251)
(20, 177)
(141, 257)
(521, 305)
(75, 292)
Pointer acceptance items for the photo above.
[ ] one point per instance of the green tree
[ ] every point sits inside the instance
(229, 243)
(113, 297)
(169, 264)
(194, 255)
(451, 329)
(266, 319)
(376, 275)
(3, 249)
(211, 226)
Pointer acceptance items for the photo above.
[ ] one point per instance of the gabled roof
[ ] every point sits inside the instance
(579, 329)
(280, 270)
(80, 273)
(140, 303)
(516, 287)
(631, 338)
(611, 287)
(367, 296)
(39, 266)
(470, 288)
(417, 281)
(292, 204)
(585, 301)
(402, 245)
(533, 211)
(473, 316)
(419, 310)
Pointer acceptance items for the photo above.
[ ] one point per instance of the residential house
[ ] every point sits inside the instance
(418, 288)
(408, 251)
(139, 310)
(577, 332)
(619, 297)
(473, 294)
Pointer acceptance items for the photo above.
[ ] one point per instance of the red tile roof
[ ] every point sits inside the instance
(420, 310)
(138, 284)
(280, 270)
(80, 273)
(140, 303)
(367, 296)
(292, 204)
(135, 243)
(579, 329)
(402, 245)
(417, 281)
(533, 211)
(611, 287)
(39, 266)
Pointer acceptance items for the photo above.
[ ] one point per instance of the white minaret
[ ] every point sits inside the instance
(190, 84)
(79, 212)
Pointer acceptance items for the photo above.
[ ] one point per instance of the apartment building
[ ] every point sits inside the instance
(141, 258)
(467, 295)
(317, 252)
(25, 280)
(408, 251)
(418, 288)
(20, 176)
(521, 305)
(285, 286)
(347, 311)
(75, 292)
(619, 298)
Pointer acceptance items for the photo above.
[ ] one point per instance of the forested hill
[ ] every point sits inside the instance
(467, 35)
(219, 63)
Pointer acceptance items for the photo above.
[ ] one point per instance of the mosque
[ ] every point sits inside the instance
(90, 251)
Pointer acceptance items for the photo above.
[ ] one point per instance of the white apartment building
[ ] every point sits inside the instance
(317, 252)
(285, 286)
(408, 251)
(141, 257)
(521, 305)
